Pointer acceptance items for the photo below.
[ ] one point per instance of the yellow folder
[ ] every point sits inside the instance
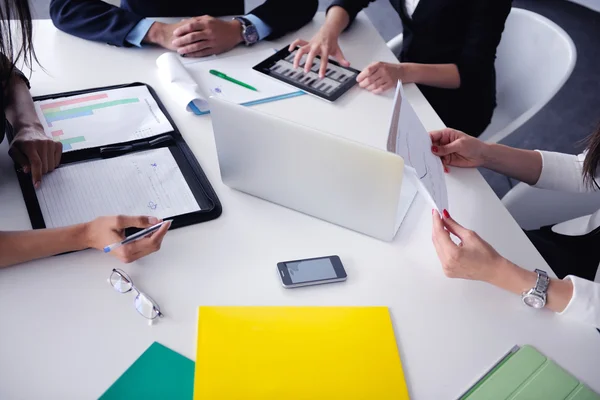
(297, 353)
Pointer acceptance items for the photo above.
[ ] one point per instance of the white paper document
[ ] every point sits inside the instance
(102, 118)
(192, 81)
(409, 139)
(183, 88)
(145, 183)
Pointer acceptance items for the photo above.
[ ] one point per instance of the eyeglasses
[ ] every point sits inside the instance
(147, 307)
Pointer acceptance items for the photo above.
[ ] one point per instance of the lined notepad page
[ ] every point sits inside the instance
(144, 183)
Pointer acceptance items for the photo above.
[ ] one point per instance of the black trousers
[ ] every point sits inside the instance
(568, 255)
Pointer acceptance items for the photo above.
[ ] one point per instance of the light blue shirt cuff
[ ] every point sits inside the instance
(262, 29)
(137, 34)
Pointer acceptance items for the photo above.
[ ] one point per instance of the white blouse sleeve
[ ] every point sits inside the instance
(585, 303)
(563, 172)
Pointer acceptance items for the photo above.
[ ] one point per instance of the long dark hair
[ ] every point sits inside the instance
(15, 36)
(592, 159)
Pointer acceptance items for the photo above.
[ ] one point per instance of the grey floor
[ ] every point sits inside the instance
(569, 117)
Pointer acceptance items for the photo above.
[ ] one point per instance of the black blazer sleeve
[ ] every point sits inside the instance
(102, 22)
(482, 38)
(352, 7)
(283, 18)
(93, 20)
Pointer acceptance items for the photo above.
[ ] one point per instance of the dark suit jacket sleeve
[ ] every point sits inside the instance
(483, 36)
(284, 18)
(352, 7)
(93, 20)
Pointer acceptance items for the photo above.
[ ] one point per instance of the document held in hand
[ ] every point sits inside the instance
(409, 139)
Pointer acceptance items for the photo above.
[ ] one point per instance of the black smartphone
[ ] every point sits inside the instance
(311, 271)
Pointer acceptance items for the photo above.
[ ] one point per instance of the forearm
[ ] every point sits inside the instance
(337, 20)
(444, 76)
(22, 246)
(517, 280)
(93, 20)
(524, 165)
(20, 110)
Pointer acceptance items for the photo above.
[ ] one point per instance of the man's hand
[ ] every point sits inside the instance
(35, 152)
(161, 34)
(205, 35)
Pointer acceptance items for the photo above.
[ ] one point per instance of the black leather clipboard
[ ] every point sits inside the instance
(210, 206)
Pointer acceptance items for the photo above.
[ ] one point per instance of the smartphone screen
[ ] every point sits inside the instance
(311, 271)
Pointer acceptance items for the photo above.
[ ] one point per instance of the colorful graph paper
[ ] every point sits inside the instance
(55, 111)
(96, 119)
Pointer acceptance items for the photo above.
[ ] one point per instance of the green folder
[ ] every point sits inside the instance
(526, 374)
(159, 373)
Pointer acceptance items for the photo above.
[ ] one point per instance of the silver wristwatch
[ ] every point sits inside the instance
(536, 297)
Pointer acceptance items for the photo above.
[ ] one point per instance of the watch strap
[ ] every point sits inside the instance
(542, 282)
(246, 23)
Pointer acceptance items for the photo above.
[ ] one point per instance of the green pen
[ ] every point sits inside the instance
(230, 79)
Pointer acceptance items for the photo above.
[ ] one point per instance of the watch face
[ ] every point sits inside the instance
(251, 34)
(533, 301)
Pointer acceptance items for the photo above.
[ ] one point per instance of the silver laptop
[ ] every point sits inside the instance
(323, 175)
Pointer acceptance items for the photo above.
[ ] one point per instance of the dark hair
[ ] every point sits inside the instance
(592, 159)
(15, 36)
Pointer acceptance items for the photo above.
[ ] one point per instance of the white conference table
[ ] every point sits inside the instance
(66, 334)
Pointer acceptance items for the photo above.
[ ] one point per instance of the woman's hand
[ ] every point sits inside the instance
(458, 149)
(472, 259)
(35, 152)
(104, 231)
(381, 76)
(324, 44)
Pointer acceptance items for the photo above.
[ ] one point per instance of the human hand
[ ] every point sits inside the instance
(104, 231)
(206, 35)
(35, 152)
(161, 34)
(324, 44)
(381, 76)
(458, 149)
(472, 259)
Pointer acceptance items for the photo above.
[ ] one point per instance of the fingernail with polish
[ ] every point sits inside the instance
(434, 149)
(446, 214)
(446, 170)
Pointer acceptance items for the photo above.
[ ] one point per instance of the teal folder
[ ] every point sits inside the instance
(159, 373)
(526, 374)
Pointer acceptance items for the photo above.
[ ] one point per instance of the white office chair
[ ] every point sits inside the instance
(395, 44)
(533, 208)
(534, 59)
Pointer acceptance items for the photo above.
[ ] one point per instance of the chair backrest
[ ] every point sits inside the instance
(533, 208)
(534, 59)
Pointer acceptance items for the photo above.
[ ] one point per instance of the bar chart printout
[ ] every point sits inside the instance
(102, 118)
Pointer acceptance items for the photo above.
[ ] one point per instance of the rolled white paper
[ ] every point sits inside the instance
(180, 83)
